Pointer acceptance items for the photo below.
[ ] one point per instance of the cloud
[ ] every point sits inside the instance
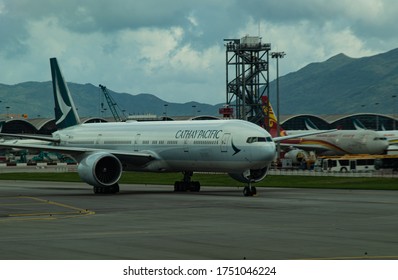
(174, 49)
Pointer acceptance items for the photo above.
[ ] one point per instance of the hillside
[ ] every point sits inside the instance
(339, 85)
(342, 85)
(36, 99)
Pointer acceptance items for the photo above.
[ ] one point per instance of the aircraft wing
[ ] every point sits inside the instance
(319, 147)
(135, 158)
(34, 137)
(314, 132)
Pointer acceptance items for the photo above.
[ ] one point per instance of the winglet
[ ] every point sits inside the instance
(65, 110)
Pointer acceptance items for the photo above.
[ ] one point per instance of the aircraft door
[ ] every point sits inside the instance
(136, 141)
(98, 140)
(224, 142)
(187, 156)
(186, 146)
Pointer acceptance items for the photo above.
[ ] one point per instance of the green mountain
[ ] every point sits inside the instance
(339, 85)
(342, 85)
(36, 100)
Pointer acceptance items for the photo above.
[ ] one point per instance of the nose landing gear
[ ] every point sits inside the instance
(249, 190)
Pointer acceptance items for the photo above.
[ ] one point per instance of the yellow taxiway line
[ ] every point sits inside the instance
(50, 215)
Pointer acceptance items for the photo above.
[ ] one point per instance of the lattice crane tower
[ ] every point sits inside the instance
(247, 77)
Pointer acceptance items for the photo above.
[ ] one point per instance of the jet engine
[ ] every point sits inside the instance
(250, 176)
(100, 170)
(297, 156)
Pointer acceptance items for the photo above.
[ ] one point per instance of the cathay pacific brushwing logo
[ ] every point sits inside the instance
(236, 150)
(65, 109)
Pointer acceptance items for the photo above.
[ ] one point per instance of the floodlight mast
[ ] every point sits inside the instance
(277, 56)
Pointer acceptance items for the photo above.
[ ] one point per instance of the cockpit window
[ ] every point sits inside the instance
(380, 138)
(258, 139)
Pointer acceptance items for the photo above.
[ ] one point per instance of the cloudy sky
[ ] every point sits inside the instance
(174, 49)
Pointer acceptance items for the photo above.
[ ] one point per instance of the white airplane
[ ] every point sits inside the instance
(340, 142)
(336, 142)
(390, 135)
(104, 150)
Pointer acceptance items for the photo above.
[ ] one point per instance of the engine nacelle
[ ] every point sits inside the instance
(100, 169)
(297, 156)
(252, 175)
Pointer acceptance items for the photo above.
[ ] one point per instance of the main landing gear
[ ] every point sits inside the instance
(194, 186)
(105, 190)
(186, 184)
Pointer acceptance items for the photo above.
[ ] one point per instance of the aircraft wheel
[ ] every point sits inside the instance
(195, 186)
(253, 190)
(247, 191)
(179, 186)
(114, 189)
(98, 190)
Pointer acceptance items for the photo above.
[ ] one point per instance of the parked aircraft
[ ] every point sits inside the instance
(390, 135)
(103, 150)
(332, 143)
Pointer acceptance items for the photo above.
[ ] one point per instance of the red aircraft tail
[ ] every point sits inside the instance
(273, 123)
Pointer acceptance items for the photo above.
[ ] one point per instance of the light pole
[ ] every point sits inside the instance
(277, 55)
(394, 126)
(193, 110)
(165, 111)
(377, 117)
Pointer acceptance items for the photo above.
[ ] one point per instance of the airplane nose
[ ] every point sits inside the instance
(379, 146)
(384, 146)
(262, 155)
(268, 153)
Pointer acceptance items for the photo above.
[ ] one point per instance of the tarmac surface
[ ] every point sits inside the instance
(51, 220)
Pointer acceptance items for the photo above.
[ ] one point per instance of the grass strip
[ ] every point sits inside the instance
(365, 183)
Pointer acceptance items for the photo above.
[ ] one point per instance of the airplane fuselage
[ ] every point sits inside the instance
(216, 145)
(344, 142)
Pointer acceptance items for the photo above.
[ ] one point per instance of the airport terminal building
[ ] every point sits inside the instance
(370, 121)
(345, 122)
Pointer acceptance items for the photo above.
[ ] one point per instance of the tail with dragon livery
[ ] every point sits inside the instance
(272, 120)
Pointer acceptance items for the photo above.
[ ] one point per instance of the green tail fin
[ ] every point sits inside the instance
(65, 110)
